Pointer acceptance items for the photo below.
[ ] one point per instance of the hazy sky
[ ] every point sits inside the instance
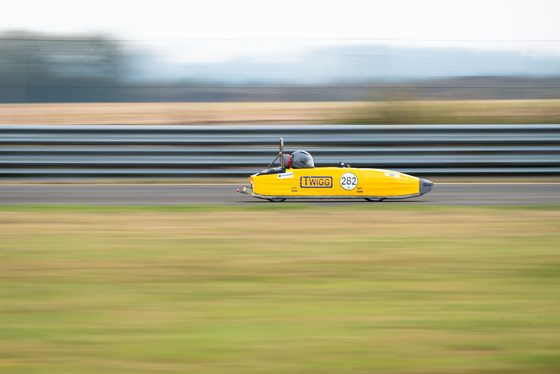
(256, 27)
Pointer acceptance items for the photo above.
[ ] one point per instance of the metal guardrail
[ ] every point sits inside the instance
(48, 152)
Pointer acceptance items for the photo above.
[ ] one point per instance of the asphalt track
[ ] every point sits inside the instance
(467, 194)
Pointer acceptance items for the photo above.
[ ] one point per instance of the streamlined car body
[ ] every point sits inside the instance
(298, 178)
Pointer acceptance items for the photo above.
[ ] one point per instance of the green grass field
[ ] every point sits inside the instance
(454, 112)
(280, 289)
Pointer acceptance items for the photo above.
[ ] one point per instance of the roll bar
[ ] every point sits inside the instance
(280, 154)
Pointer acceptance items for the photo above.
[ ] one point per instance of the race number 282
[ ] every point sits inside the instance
(348, 181)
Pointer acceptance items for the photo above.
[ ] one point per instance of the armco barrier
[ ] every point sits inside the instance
(55, 152)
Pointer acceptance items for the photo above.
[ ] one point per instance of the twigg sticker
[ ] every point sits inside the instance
(348, 181)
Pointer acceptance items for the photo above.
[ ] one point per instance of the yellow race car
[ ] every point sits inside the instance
(298, 178)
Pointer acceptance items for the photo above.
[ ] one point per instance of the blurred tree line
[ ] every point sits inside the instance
(38, 68)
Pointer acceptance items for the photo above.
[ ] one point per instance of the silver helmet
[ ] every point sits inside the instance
(301, 160)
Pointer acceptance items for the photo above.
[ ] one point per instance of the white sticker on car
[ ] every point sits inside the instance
(348, 181)
(286, 175)
(394, 175)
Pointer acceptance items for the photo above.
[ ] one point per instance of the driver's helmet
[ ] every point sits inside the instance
(301, 160)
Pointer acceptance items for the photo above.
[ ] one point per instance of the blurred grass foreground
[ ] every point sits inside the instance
(280, 290)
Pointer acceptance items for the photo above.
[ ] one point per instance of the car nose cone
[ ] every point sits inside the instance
(425, 186)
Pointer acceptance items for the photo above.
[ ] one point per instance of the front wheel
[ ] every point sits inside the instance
(276, 200)
(373, 200)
